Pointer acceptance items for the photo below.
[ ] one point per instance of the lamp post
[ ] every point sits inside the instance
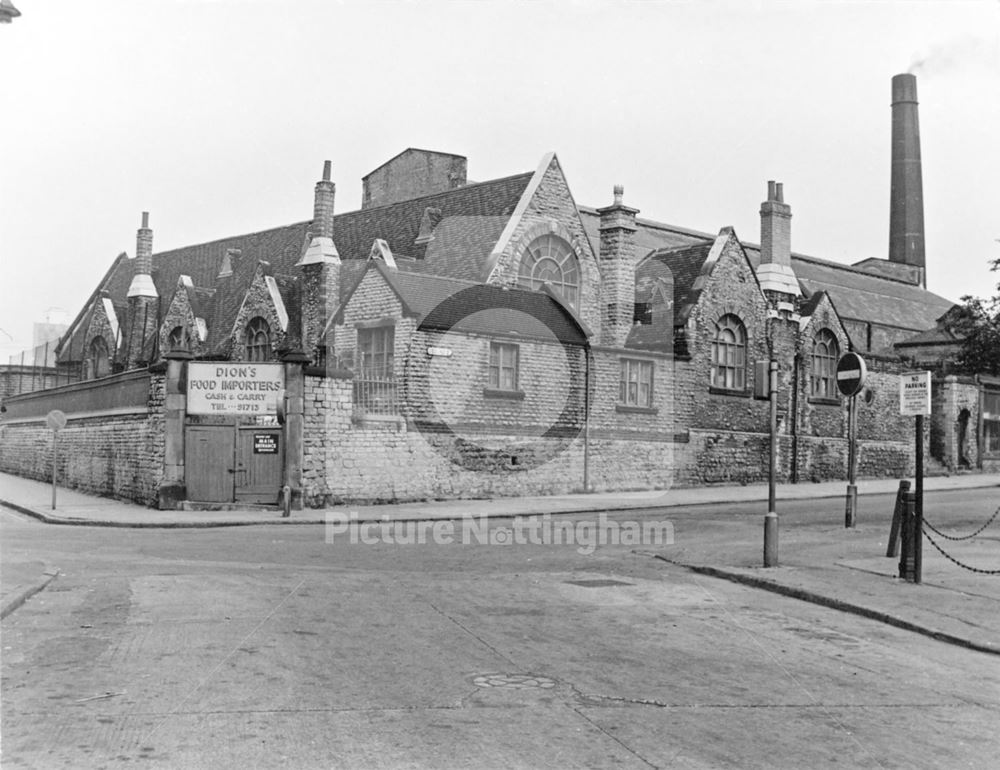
(771, 517)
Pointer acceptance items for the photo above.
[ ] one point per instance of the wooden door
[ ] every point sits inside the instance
(260, 454)
(208, 463)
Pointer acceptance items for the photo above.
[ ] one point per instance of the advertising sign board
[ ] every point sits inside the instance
(234, 389)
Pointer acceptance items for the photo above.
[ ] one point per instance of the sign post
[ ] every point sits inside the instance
(915, 399)
(56, 421)
(851, 375)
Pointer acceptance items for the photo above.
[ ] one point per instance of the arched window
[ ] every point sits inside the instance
(825, 354)
(99, 362)
(550, 259)
(729, 354)
(258, 340)
(179, 339)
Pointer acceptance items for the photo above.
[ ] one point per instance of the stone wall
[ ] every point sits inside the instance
(114, 455)
(954, 426)
(16, 379)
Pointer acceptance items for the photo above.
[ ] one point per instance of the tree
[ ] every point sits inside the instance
(978, 325)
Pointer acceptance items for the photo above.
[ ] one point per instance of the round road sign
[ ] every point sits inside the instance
(851, 374)
(56, 419)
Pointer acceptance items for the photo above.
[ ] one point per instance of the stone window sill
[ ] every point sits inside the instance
(361, 418)
(510, 395)
(824, 401)
(629, 409)
(728, 392)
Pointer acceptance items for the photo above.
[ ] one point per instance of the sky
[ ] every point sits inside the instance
(216, 116)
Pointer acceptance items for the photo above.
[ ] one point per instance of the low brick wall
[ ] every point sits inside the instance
(117, 454)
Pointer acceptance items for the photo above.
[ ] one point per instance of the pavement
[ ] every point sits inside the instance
(821, 562)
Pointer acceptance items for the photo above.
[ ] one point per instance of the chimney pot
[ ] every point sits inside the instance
(619, 194)
(145, 219)
(326, 171)
(779, 193)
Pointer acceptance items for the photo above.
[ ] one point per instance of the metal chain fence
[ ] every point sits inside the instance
(938, 532)
(952, 559)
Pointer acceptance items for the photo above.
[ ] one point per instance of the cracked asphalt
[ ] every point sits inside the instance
(253, 647)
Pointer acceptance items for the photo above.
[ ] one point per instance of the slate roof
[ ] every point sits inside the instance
(935, 336)
(473, 217)
(650, 235)
(870, 298)
(451, 303)
(684, 265)
(861, 293)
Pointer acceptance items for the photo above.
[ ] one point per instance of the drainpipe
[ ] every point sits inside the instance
(586, 419)
(796, 363)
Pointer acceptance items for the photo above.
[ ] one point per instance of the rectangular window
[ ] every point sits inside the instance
(503, 366)
(991, 422)
(375, 348)
(374, 383)
(636, 384)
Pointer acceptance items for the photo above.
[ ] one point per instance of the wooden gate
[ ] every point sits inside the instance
(208, 463)
(228, 463)
(259, 462)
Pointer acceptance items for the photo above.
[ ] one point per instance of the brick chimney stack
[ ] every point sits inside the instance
(617, 258)
(323, 204)
(142, 268)
(906, 212)
(320, 264)
(143, 302)
(775, 272)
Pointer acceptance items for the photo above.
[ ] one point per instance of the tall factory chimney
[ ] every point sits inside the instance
(906, 213)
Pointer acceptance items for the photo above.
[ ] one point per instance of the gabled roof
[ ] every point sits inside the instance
(684, 265)
(874, 290)
(472, 218)
(450, 303)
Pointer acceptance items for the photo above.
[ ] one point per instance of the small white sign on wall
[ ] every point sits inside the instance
(234, 388)
(915, 393)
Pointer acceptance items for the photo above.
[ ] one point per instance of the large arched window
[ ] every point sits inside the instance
(550, 259)
(99, 362)
(729, 354)
(825, 354)
(258, 340)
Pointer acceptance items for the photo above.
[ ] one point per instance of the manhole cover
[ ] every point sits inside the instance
(598, 583)
(514, 681)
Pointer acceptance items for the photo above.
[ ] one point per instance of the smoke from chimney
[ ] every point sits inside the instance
(965, 51)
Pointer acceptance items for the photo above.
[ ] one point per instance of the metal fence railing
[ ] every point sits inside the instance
(375, 395)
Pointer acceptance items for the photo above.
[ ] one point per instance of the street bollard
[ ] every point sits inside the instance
(286, 501)
(908, 532)
(892, 549)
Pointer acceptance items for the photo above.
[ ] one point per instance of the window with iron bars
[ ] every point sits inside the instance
(374, 379)
(991, 421)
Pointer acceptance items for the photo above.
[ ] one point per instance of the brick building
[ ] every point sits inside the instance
(457, 339)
